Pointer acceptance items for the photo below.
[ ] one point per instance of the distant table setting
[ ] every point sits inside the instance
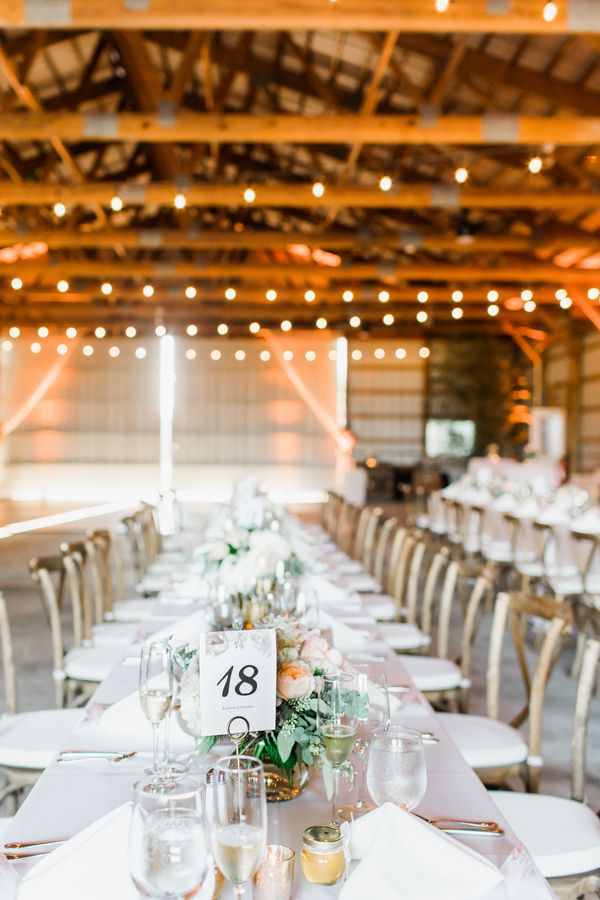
(258, 737)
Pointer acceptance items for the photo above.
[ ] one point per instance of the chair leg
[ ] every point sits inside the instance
(579, 652)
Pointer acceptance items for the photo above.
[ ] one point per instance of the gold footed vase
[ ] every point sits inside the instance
(282, 785)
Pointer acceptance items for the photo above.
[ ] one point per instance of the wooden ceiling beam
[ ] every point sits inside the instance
(289, 196)
(190, 128)
(309, 275)
(402, 238)
(521, 17)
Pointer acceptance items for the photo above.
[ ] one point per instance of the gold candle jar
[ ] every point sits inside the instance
(323, 859)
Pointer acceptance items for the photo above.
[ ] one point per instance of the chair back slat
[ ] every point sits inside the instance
(381, 550)
(414, 580)
(583, 700)
(438, 564)
(40, 570)
(8, 662)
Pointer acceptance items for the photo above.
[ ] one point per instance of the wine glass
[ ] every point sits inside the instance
(396, 769)
(156, 694)
(239, 827)
(168, 852)
(339, 727)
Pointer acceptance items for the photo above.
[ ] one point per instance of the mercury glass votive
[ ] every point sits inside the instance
(274, 879)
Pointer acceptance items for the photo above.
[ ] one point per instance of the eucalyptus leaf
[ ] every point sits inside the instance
(285, 744)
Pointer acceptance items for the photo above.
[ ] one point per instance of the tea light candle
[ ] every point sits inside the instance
(274, 879)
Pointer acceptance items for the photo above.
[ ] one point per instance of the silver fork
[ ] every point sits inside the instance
(108, 755)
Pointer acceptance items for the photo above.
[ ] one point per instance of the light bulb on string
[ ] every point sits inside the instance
(422, 297)
(527, 294)
(88, 350)
(286, 325)
(550, 11)
(71, 332)
(249, 195)
(332, 355)
(254, 327)
(114, 352)
(230, 293)
(379, 353)
(422, 316)
(62, 286)
(190, 354)
(14, 331)
(140, 352)
(457, 296)
(190, 292)
(310, 296)
(424, 352)
(529, 306)
(310, 355)
(388, 319)
(321, 323)
(493, 296)
(457, 312)
(265, 356)
(36, 347)
(354, 321)
(535, 165)
(288, 355)
(215, 355)
(222, 329)
(385, 183)
(271, 295)
(16, 284)
(160, 331)
(383, 296)
(179, 201)
(493, 309)
(62, 349)
(566, 303)
(100, 331)
(7, 346)
(318, 189)
(148, 291)
(400, 353)
(356, 355)
(43, 332)
(130, 331)
(348, 296)
(60, 209)
(116, 204)
(240, 355)
(461, 174)
(441, 6)
(191, 330)
(561, 293)
(106, 288)
(593, 293)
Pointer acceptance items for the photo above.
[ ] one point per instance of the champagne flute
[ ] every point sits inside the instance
(339, 727)
(168, 847)
(239, 828)
(396, 769)
(156, 694)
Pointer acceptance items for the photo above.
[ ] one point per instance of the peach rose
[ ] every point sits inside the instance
(294, 679)
(314, 647)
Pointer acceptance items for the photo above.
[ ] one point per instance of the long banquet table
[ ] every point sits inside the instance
(70, 796)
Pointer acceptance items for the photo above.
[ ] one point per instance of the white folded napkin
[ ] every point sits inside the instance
(183, 631)
(362, 582)
(402, 856)
(329, 594)
(344, 637)
(92, 865)
(129, 729)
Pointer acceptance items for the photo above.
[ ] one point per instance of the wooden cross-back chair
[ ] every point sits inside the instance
(380, 552)
(359, 535)
(28, 741)
(495, 749)
(346, 526)
(370, 535)
(109, 556)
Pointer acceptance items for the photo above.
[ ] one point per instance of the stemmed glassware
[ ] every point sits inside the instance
(396, 769)
(239, 826)
(338, 727)
(168, 852)
(156, 695)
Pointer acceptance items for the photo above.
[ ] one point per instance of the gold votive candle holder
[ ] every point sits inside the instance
(275, 877)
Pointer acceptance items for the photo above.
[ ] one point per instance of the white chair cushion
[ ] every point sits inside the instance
(380, 606)
(30, 740)
(566, 586)
(362, 584)
(92, 663)
(134, 610)
(432, 673)
(532, 569)
(115, 634)
(348, 567)
(402, 636)
(485, 743)
(563, 836)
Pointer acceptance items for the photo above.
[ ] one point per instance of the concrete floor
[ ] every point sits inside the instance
(32, 653)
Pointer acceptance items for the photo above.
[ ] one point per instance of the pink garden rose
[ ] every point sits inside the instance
(294, 679)
(317, 650)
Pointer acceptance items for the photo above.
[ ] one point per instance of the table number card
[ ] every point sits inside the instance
(238, 677)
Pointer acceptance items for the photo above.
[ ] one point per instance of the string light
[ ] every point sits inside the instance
(457, 296)
(493, 310)
(400, 353)
(215, 355)
(526, 294)
(424, 352)
(354, 321)
(62, 349)
(140, 352)
(230, 293)
(550, 11)
(106, 288)
(7, 346)
(493, 296)
(384, 296)
(148, 291)
(35, 347)
(71, 332)
(310, 296)
(114, 352)
(529, 306)
(356, 354)
(288, 355)
(265, 355)
(222, 328)
(318, 189)
(385, 183)
(347, 296)
(14, 331)
(535, 165)
(254, 327)
(461, 174)
(422, 296)
(116, 204)
(457, 313)
(16, 284)
(179, 201)
(321, 323)
(286, 325)
(249, 195)
(561, 293)
(441, 6)
(62, 286)
(88, 350)
(130, 331)
(379, 353)
(388, 319)
(160, 331)
(422, 316)
(310, 355)
(100, 331)
(190, 292)
(566, 303)
(190, 354)
(593, 293)
(192, 330)
(60, 210)
(43, 331)
(271, 295)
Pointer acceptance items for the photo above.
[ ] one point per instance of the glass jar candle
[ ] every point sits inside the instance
(323, 858)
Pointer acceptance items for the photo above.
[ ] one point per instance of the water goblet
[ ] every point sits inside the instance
(396, 771)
